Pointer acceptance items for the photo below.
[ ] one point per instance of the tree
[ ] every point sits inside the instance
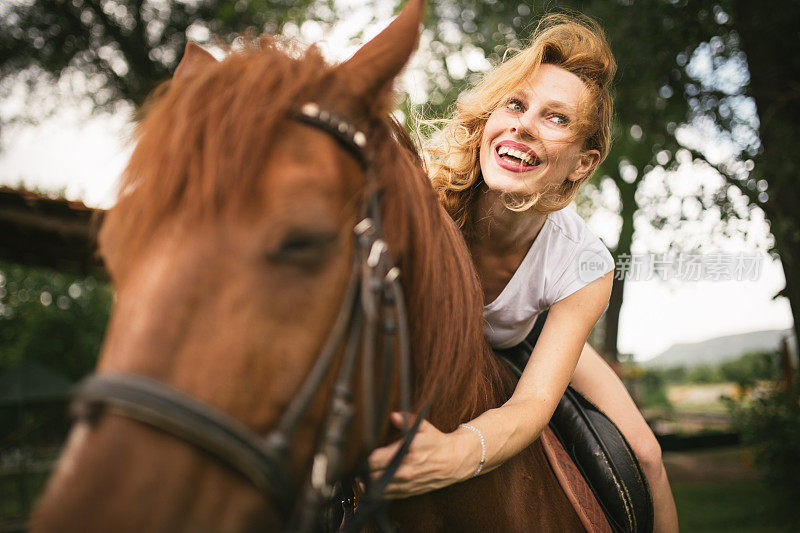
(753, 111)
(116, 52)
(652, 41)
(750, 368)
(692, 74)
(775, 87)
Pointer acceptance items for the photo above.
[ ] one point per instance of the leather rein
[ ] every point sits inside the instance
(372, 312)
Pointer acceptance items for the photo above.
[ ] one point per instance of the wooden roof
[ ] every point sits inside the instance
(58, 233)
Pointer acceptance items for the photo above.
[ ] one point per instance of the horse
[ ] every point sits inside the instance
(230, 249)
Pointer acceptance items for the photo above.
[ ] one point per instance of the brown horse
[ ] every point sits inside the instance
(230, 248)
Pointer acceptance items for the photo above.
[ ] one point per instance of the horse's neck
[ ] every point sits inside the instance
(451, 357)
(476, 379)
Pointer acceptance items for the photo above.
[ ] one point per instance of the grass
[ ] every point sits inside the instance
(729, 506)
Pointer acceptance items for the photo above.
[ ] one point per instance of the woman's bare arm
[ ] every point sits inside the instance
(513, 426)
(438, 459)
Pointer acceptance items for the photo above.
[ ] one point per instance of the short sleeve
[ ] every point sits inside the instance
(589, 261)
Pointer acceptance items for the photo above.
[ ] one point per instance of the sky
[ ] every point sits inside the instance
(83, 155)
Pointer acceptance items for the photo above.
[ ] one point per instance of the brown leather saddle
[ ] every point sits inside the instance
(598, 449)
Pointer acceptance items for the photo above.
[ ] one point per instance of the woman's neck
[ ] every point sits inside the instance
(500, 229)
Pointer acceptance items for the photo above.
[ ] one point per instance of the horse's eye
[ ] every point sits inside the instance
(303, 248)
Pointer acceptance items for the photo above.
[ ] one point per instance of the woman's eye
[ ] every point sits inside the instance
(514, 105)
(558, 118)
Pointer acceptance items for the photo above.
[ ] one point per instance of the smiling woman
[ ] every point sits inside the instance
(506, 166)
(564, 74)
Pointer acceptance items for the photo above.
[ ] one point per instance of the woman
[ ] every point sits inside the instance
(506, 166)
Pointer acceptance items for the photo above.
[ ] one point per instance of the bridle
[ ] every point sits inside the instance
(372, 311)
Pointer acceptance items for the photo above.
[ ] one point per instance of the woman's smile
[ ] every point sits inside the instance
(515, 156)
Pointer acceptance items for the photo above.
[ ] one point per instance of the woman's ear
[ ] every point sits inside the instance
(587, 162)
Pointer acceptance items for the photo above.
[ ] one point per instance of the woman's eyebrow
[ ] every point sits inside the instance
(559, 105)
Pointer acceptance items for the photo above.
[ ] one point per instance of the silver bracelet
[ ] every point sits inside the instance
(483, 447)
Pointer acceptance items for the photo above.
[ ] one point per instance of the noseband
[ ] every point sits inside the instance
(372, 311)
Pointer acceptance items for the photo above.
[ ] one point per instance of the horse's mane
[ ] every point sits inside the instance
(202, 145)
(452, 359)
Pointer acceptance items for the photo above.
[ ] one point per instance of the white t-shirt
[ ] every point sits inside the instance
(564, 257)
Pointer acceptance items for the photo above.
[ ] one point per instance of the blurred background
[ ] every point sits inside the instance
(697, 202)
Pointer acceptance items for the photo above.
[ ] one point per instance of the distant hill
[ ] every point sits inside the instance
(720, 349)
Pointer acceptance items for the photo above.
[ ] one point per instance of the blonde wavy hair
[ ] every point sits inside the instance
(573, 42)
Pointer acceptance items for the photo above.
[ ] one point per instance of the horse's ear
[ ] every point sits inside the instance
(194, 58)
(376, 63)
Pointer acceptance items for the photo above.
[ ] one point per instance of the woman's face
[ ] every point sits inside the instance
(528, 144)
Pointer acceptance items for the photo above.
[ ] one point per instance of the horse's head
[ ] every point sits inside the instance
(230, 249)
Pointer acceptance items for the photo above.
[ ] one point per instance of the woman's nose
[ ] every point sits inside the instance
(524, 127)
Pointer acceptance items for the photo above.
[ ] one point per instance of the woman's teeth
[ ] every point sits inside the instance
(525, 158)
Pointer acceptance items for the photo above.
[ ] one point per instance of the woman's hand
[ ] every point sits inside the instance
(434, 460)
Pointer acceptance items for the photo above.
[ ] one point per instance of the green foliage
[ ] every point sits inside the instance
(653, 387)
(122, 50)
(51, 318)
(704, 374)
(657, 90)
(676, 374)
(750, 368)
(770, 426)
(745, 371)
(17, 493)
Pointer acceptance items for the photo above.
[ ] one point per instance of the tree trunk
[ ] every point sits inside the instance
(790, 257)
(610, 349)
(769, 40)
